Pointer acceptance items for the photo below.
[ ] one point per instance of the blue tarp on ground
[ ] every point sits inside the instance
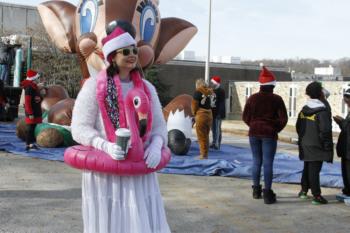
(229, 161)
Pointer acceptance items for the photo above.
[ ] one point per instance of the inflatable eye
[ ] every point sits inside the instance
(148, 22)
(88, 15)
(137, 101)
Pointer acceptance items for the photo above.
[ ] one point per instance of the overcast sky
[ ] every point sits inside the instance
(255, 29)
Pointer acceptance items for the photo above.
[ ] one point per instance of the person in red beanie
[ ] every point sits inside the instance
(266, 115)
(32, 106)
(218, 110)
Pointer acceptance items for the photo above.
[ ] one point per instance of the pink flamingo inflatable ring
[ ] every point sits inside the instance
(132, 114)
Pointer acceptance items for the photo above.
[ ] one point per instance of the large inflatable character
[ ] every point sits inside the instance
(57, 110)
(80, 29)
(179, 117)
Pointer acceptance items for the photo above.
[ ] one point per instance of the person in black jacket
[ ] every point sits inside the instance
(3, 102)
(218, 110)
(7, 56)
(343, 147)
(314, 128)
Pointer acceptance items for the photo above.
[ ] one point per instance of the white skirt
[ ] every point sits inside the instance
(122, 204)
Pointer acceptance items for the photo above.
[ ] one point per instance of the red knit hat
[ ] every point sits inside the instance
(32, 75)
(266, 77)
(216, 80)
(116, 40)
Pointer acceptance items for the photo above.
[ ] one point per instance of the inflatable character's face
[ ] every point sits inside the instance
(80, 29)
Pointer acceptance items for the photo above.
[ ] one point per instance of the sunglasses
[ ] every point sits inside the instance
(128, 51)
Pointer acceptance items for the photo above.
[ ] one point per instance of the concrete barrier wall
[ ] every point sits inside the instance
(181, 75)
(238, 96)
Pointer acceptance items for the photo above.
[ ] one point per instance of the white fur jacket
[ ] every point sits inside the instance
(87, 120)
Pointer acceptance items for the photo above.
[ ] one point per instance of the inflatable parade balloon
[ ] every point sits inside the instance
(57, 115)
(179, 117)
(80, 29)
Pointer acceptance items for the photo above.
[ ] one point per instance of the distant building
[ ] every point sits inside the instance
(18, 19)
(329, 73)
(226, 59)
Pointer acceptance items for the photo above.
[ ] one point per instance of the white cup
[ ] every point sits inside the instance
(123, 137)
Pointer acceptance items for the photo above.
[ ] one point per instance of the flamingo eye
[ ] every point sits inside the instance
(137, 101)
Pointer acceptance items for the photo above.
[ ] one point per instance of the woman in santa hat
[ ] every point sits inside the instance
(113, 203)
(32, 106)
(266, 115)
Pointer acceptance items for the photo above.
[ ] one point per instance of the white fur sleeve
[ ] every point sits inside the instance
(159, 124)
(85, 114)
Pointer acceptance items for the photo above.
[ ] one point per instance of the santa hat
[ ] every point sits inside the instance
(216, 80)
(116, 40)
(266, 77)
(32, 75)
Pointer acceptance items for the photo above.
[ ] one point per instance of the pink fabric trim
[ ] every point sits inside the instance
(101, 92)
(138, 82)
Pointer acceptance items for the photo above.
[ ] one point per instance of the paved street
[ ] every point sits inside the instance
(45, 196)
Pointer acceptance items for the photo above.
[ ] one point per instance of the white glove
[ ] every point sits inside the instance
(112, 149)
(153, 152)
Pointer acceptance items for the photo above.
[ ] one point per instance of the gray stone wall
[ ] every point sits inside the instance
(238, 95)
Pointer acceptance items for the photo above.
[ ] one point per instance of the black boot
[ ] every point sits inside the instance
(269, 196)
(256, 191)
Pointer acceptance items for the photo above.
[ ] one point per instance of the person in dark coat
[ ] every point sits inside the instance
(266, 115)
(3, 102)
(314, 128)
(32, 106)
(6, 61)
(343, 147)
(201, 109)
(218, 110)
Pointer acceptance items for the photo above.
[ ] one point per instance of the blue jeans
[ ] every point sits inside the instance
(263, 150)
(4, 74)
(216, 130)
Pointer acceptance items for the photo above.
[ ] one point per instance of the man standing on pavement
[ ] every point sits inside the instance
(218, 110)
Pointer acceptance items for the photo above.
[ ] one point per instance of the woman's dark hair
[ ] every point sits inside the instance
(314, 90)
(113, 68)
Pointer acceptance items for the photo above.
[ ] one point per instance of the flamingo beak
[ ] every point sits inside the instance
(142, 123)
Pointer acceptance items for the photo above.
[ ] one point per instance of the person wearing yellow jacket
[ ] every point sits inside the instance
(201, 109)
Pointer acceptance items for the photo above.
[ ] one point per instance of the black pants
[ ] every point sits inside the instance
(345, 169)
(30, 137)
(311, 177)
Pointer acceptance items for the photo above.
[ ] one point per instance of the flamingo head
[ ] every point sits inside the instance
(138, 102)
